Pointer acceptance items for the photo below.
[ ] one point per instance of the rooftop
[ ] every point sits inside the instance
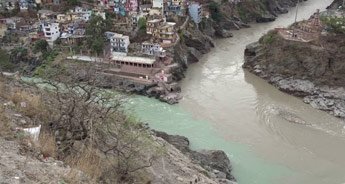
(133, 59)
(154, 21)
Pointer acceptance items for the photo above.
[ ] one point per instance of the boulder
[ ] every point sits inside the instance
(224, 33)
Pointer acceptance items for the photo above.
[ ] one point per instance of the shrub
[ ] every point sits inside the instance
(41, 46)
(335, 24)
(28, 104)
(142, 23)
(47, 144)
(215, 11)
(269, 38)
(5, 62)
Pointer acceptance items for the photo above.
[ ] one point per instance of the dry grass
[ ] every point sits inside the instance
(87, 161)
(47, 144)
(2, 88)
(5, 127)
(29, 104)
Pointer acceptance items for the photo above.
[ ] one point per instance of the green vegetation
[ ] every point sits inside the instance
(269, 38)
(5, 63)
(48, 58)
(142, 23)
(95, 30)
(41, 46)
(215, 11)
(73, 2)
(335, 24)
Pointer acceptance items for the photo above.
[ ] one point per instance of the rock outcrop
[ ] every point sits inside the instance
(216, 162)
(314, 71)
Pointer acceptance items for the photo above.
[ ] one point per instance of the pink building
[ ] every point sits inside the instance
(132, 6)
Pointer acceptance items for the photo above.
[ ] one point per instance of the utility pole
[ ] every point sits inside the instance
(293, 31)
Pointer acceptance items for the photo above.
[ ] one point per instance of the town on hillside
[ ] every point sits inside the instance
(135, 39)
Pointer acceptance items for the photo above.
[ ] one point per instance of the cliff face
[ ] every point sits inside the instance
(314, 70)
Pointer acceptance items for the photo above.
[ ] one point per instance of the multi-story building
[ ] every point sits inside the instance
(8, 5)
(50, 2)
(132, 6)
(195, 12)
(157, 3)
(166, 33)
(3, 29)
(51, 30)
(153, 25)
(118, 43)
(153, 49)
(176, 7)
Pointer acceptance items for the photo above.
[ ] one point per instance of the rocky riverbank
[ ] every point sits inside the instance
(215, 162)
(314, 70)
(34, 159)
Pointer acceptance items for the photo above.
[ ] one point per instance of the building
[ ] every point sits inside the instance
(118, 43)
(50, 2)
(98, 13)
(8, 4)
(51, 30)
(45, 14)
(176, 7)
(157, 3)
(3, 29)
(153, 25)
(153, 49)
(195, 12)
(10, 23)
(145, 8)
(23, 5)
(166, 33)
(63, 18)
(132, 6)
(79, 13)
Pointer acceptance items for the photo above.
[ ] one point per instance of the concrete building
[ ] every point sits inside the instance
(118, 43)
(195, 12)
(51, 31)
(166, 33)
(153, 25)
(157, 3)
(23, 5)
(50, 2)
(45, 14)
(176, 7)
(8, 4)
(3, 29)
(132, 6)
(153, 49)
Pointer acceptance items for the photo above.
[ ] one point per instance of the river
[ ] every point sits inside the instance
(227, 108)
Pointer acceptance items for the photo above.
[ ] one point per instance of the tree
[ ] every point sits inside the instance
(73, 2)
(335, 24)
(95, 117)
(215, 11)
(142, 23)
(98, 44)
(95, 30)
(41, 46)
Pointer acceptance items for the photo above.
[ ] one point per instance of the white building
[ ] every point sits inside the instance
(118, 43)
(152, 49)
(195, 12)
(51, 31)
(157, 3)
(23, 5)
